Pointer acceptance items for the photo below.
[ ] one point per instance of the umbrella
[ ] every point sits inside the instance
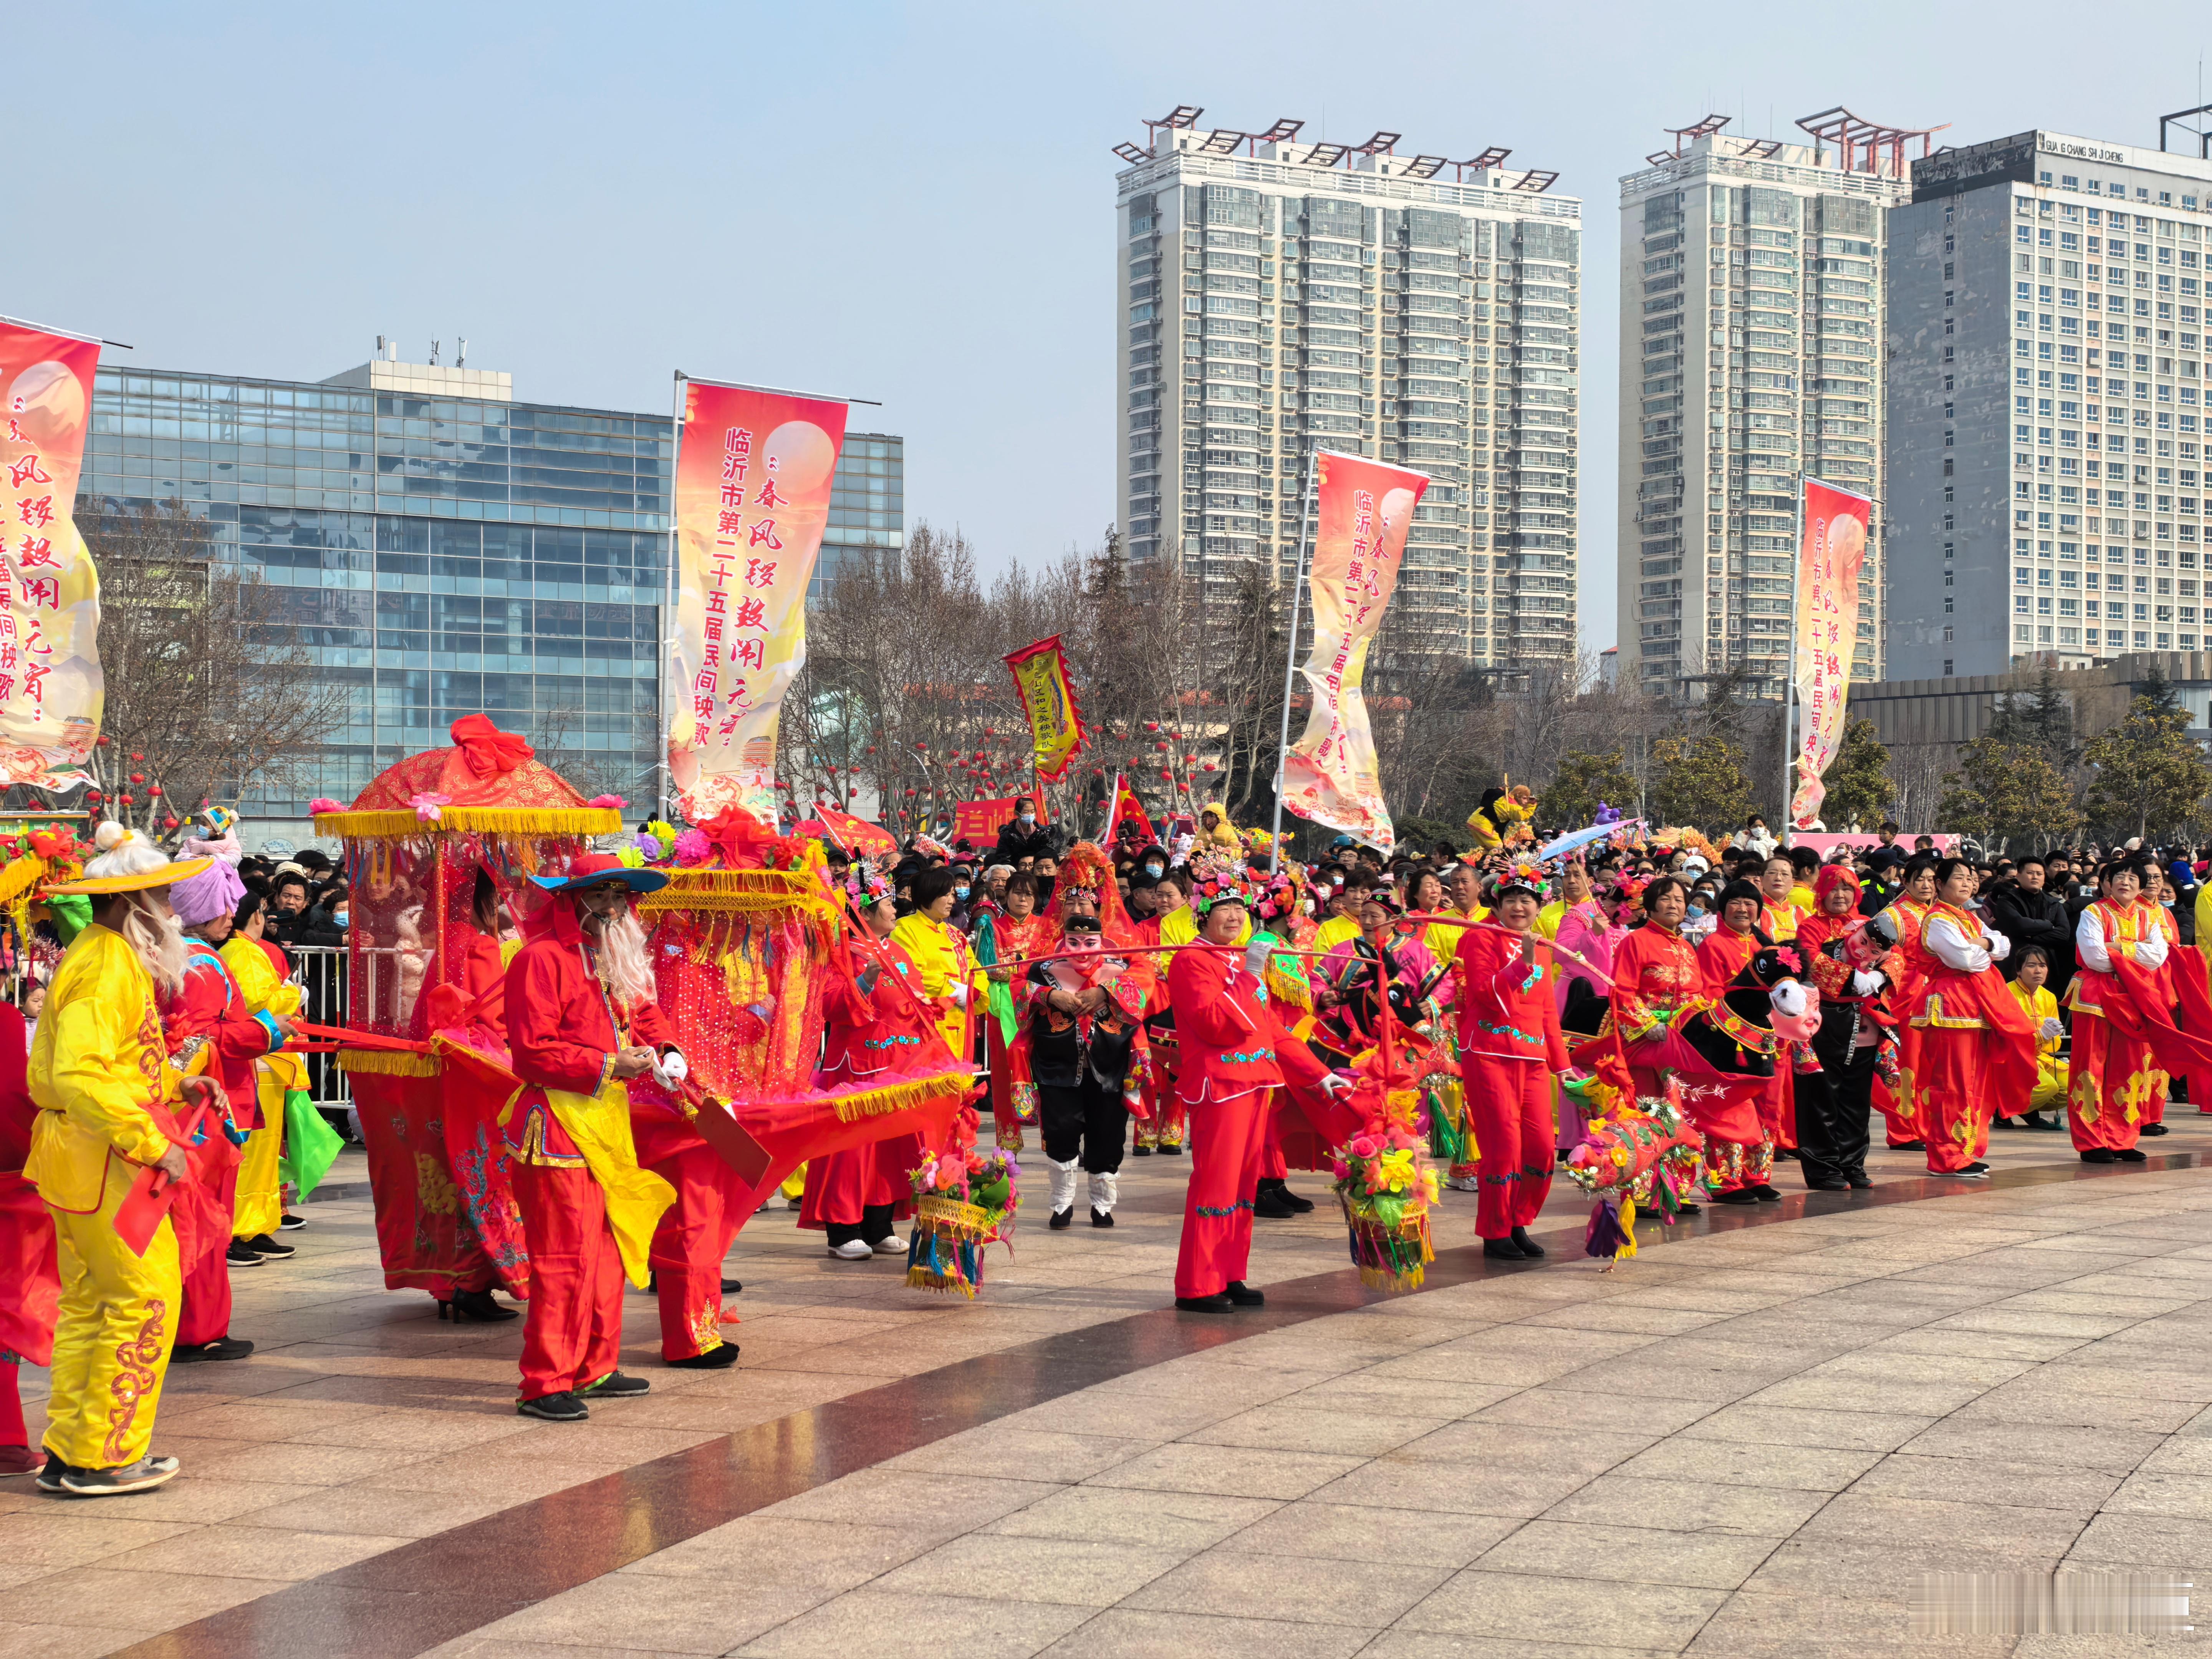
(1575, 840)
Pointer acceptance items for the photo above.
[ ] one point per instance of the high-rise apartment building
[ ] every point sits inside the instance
(440, 549)
(1274, 295)
(2047, 406)
(1751, 332)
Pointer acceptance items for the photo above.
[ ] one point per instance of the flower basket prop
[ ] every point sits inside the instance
(1646, 1157)
(1387, 1188)
(964, 1200)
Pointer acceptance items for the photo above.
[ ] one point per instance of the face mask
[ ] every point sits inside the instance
(960, 892)
(339, 917)
(1025, 819)
(1155, 870)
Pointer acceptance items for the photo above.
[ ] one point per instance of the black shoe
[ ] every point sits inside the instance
(1101, 1217)
(1140, 1152)
(288, 1221)
(1243, 1296)
(50, 1478)
(1062, 1219)
(1860, 1180)
(261, 1244)
(2131, 1155)
(1269, 1206)
(1503, 1249)
(478, 1305)
(714, 1359)
(144, 1475)
(615, 1386)
(1529, 1247)
(562, 1408)
(2154, 1129)
(1737, 1196)
(1827, 1184)
(1766, 1195)
(1909, 1146)
(730, 1286)
(223, 1347)
(238, 1256)
(2004, 1123)
(1283, 1194)
(1785, 1151)
(1687, 1208)
(2100, 1155)
(1169, 1152)
(1977, 1167)
(1218, 1303)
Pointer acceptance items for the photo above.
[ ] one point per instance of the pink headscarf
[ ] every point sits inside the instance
(202, 898)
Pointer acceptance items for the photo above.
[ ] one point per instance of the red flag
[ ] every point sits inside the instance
(1127, 808)
(855, 835)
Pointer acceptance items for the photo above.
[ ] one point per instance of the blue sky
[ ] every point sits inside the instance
(910, 203)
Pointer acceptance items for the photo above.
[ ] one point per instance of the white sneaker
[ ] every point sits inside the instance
(1465, 1183)
(853, 1250)
(890, 1244)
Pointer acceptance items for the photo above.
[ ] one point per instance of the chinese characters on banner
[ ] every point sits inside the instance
(976, 822)
(1831, 547)
(1047, 696)
(1329, 774)
(752, 495)
(50, 683)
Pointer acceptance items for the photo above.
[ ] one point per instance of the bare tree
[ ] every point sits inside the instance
(209, 690)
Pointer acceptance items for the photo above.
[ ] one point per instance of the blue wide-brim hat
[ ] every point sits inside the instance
(594, 868)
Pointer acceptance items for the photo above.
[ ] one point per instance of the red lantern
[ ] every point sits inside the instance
(125, 799)
(93, 794)
(137, 777)
(1162, 747)
(1211, 767)
(1166, 774)
(134, 755)
(1152, 726)
(154, 790)
(909, 794)
(104, 742)
(169, 823)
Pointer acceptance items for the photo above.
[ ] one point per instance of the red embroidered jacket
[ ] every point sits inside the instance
(561, 1029)
(1722, 954)
(871, 1028)
(209, 1006)
(1230, 1040)
(1654, 973)
(1506, 1007)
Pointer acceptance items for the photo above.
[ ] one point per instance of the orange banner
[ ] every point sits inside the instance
(1330, 774)
(51, 689)
(855, 835)
(1047, 693)
(976, 822)
(1831, 549)
(752, 495)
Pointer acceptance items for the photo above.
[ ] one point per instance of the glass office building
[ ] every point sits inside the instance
(442, 551)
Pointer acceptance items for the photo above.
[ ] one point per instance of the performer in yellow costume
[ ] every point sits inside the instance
(945, 969)
(105, 1094)
(260, 1209)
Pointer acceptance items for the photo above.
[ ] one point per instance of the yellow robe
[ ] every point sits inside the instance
(2049, 1094)
(260, 1192)
(1180, 927)
(98, 1060)
(941, 957)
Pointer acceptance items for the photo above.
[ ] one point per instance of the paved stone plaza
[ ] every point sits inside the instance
(1747, 1441)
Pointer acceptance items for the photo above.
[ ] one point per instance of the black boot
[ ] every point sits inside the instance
(1267, 1204)
(1503, 1249)
(714, 1359)
(1529, 1247)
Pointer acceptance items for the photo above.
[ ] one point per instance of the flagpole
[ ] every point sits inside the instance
(1790, 667)
(668, 601)
(1290, 659)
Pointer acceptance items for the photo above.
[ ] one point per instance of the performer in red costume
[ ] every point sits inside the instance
(1741, 1172)
(2115, 1073)
(1510, 1048)
(1846, 961)
(30, 1276)
(580, 1021)
(1976, 1045)
(209, 1012)
(1906, 919)
(856, 1194)
(1234, 1054)
(1656, 973)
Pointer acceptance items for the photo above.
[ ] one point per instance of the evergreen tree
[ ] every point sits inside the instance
(2149, 770)
(2003, 789)
(1700, 780)
(1583, 779)
(1859, 781)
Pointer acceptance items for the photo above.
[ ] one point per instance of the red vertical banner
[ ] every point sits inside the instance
(1831, 547)
(1330, 774)
(752, 498)
(51, 689)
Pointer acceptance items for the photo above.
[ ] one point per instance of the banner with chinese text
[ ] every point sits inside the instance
(1831, 547)
(976, 822)
(855, 835)
(51, 689)
(752, 495)
(1047, 693)
(1330, 774)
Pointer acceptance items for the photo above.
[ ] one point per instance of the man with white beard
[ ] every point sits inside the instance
(107, 1103)
(580, 1021)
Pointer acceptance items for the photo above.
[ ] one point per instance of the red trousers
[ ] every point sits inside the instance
(1229, 1140)
(572, 1329)
(696, 1232)
(1509, 1102)
(2111, 1072)
(1951, 1096)
(205, 1316)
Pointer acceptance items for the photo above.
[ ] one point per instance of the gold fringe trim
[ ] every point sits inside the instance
(387, 1062)
(899, 1096)
(459, 820)
(742, 891)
